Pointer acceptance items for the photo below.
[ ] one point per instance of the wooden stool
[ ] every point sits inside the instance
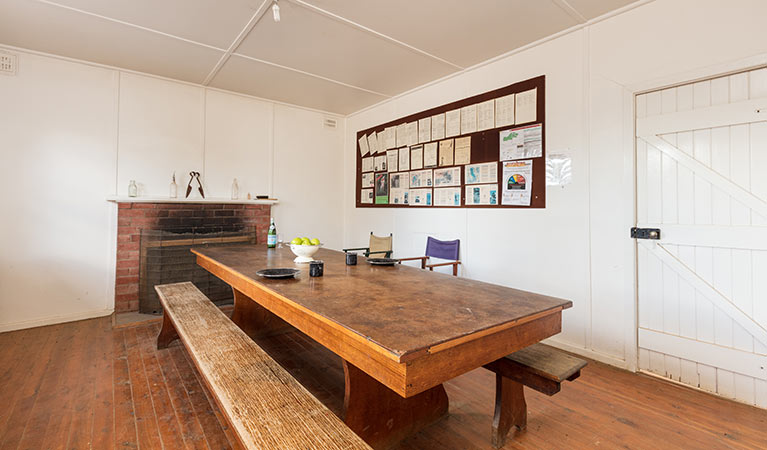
(539, 367)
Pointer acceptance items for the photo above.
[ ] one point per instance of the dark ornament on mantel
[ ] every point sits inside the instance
(192, 176)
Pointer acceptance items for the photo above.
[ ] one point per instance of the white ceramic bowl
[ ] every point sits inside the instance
(304, 253)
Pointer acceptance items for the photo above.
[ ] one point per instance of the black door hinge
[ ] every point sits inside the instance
(645, 233)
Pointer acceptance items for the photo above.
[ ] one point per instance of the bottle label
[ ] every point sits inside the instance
(271, 240)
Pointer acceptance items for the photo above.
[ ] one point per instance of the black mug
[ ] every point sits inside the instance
(351, 259)
(316, 268)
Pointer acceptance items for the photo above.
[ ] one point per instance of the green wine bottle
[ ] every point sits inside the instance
(271, 235)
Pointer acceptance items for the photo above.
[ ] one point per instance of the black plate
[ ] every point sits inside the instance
(277, 273)
(382, 261)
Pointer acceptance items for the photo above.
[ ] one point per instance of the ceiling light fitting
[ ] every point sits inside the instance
(276, 11)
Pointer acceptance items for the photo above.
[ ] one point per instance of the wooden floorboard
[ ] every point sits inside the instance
(87, 385)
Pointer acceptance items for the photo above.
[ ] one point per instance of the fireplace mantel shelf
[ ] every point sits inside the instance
(116, 199)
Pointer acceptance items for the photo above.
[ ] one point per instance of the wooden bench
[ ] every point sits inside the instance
(539, 367)
(263, 403)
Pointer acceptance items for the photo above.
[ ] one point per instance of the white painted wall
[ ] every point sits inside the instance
(73, 134)
(578, 247)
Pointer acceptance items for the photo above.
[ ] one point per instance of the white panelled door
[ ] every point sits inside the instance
(702, 179)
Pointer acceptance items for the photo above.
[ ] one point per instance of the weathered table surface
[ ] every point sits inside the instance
(394, 326)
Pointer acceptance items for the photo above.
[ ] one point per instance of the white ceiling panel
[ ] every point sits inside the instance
(315, 43)
(595, 8)
(210, 22)
(262, 80)
(462, 32)
(51, 29)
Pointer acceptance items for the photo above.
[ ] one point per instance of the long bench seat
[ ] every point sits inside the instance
(264, 404)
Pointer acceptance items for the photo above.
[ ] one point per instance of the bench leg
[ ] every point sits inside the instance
(167, 334)
(383, 418)
(254, 319)
(510, 409)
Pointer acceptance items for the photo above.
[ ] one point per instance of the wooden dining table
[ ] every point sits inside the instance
(401, 331)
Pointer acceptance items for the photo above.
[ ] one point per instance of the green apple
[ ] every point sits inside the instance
(306, 241)
(315, 241)
(297, 241)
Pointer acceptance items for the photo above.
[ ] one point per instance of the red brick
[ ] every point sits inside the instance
(128, 246)
(234, 206)
(145, 222)
(144, 205)
(122, 273)
(121, 238)
(124, 205)
(181, 213)
(130, 213)
(127, 263)
(129, 231)
(126, 280)
(224, 213)
(126, 297)
(126, 288)
(123, 221)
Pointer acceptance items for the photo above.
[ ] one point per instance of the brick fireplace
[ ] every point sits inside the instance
(133, 217)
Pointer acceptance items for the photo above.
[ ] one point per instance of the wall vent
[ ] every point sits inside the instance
(329, 122)
(7, 63)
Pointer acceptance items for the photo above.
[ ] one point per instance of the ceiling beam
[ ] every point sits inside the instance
(127, 24)
(238, 40)
(571, 11)
(303, 72)
(373, 32)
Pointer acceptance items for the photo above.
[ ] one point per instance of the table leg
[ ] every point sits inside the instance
(382, 417)
(510, 409)
(254, 319)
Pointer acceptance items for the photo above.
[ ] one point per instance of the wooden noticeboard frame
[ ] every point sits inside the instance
(484, 145)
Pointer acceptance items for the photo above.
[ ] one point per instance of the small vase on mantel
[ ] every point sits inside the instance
(173, 187)
(132, 189)
(235, 190)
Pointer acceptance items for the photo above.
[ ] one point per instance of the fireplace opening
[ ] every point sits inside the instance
(165, 257)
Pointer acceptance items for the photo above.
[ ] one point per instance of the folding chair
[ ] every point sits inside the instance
(439, 249)
(379, 247)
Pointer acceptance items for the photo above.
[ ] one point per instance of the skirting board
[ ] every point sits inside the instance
(54, 320)
(591, 354)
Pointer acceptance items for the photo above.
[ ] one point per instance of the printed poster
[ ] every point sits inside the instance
(420, 197)
(367, 196)
(521, 143)
(517, 182)
(482, 194)
(446, 152)
(416, 157)
(382, 188)
(447, 196)
(379, 164)
(367, 180)
(430, 155)
(399, 188)
(391, 160)
(482, 173)
(367, 164)
(421, 179)
(463, 150)
(404, 158)
(450, 176)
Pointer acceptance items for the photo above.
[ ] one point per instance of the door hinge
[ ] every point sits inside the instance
(645, 233)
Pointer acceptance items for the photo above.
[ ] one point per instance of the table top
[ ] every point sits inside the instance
(404, 310)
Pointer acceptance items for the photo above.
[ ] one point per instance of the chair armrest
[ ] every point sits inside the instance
(385, 252)
(422, 258)
(413, 258)
(451, 263)
(357, 248)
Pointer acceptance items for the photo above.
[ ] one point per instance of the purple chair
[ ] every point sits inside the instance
(439, 249)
